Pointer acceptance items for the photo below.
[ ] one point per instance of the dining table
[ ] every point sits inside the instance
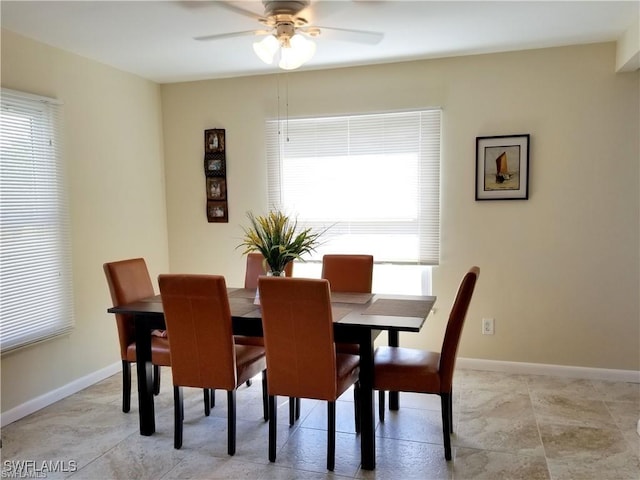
(358, 318)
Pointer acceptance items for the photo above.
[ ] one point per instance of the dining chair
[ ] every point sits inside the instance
(348, 273)
(410, 370)
(256, 266)
(302, 361)
(203, 351)
(128, 282)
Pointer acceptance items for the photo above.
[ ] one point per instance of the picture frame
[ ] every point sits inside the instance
(214, 140)
(217, 212)
(214, 167)
(216, 188)
(502, 167)
(215, 171)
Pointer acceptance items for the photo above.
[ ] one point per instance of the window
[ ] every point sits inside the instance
(373, 179)
(36, 300)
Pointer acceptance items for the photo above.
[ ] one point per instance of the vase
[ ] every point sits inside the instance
(276, 273)
(256, 300)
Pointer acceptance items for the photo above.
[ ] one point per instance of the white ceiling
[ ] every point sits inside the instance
(154, 39)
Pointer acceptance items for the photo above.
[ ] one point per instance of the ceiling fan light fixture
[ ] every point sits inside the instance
(298, 51)
(266, 48)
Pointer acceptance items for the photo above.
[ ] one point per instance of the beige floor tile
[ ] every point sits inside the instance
(413, 425)
(506, 426)
(571, 410)
(489, 465)
(513, 383)
(306, 449)
(618, 391)
(576, 442)
(563, 386)
(499, 434)
(401, 459)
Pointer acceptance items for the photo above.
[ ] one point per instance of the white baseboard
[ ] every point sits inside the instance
(631, 376)
(53, 396)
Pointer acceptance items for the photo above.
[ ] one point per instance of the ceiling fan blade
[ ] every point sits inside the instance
(234, 8)
(219, 36)
(349, 35)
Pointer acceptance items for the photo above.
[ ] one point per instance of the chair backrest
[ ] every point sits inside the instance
(348, 273)
(198, 318)
(129, 281)
(454, 327)
(298, 336)
(257, 266)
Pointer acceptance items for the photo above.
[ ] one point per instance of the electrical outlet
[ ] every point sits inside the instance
(487, 326)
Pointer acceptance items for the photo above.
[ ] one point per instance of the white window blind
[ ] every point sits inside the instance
(373, 179)
(35, 252)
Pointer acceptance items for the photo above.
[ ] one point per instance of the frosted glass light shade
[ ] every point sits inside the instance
(266, 48)
(300, 51)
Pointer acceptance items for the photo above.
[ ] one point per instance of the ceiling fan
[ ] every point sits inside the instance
(288, 31)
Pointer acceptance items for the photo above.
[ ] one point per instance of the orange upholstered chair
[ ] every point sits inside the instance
(203, 351)
(301, 355)
(408, 370)
(348, 273)
(256, 266)
(129, 281)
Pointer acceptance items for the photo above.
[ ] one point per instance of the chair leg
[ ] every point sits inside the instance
(446, 428)
(381, 406)
(331, 435)
(126, 386)
(273, 427)
(265, 396)
(231, 422)
(207, 401)
(356, 405)
(156, 379)
(451, 412)
(292, 411)
(297, 408)
(249, 383)
(213, 397)
(178, 416)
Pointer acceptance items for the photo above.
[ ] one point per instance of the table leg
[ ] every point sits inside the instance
(394, 397)
(145, 376)
(367, 426)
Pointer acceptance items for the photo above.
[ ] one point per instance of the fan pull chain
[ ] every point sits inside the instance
(280, 143)
(287, 104)
(278, 94)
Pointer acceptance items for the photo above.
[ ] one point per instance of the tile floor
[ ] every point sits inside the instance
(507, 427)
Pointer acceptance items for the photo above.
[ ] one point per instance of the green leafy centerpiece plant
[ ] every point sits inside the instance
(276, 236)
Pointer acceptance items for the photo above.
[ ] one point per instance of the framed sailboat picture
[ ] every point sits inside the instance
(502, 167)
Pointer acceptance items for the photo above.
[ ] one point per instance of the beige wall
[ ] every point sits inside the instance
(559, 271)
(113, 141)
